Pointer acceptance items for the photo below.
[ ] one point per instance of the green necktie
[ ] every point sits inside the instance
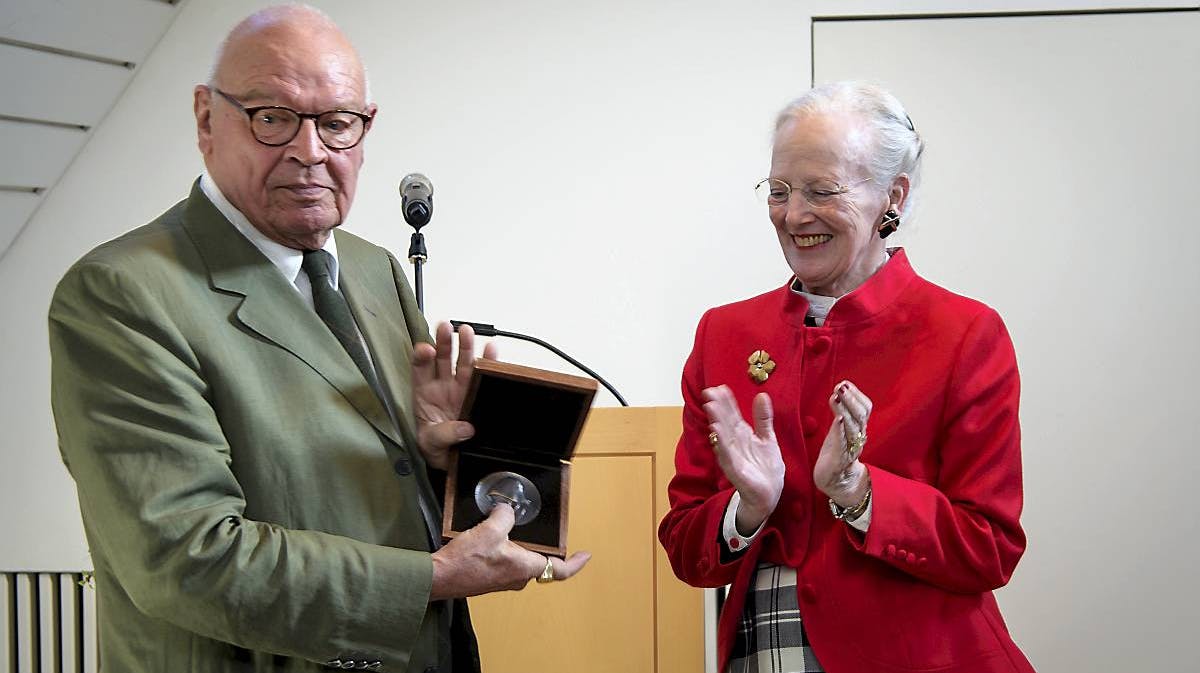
(333, 308)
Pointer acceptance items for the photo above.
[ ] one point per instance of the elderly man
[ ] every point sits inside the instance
(249, 403)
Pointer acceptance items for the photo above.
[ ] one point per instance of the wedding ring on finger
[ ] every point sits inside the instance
(713, 440)
(547, 572)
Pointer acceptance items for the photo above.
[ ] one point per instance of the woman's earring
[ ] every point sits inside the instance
(890, 223)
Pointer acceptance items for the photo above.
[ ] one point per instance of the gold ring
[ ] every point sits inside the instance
(547, 572)
(713, 440)
(855, 443)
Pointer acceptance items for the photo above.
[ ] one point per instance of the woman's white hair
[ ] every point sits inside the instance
(898, 146)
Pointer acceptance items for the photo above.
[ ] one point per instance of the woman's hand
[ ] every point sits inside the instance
(749, 456)
(838, 473)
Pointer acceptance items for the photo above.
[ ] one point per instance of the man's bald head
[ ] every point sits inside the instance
(291, 56)
(291, 26)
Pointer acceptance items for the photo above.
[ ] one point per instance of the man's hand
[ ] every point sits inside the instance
(439, 386)
(483, 560)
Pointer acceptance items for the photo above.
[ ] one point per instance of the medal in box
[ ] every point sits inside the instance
(527, 422)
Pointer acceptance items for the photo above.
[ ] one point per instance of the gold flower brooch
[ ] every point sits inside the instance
(761, 366)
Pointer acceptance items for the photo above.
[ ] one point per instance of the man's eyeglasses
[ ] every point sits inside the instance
(276, 125)
(819, 194)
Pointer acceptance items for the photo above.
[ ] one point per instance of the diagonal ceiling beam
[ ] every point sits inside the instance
(44, 122)
(129, 65)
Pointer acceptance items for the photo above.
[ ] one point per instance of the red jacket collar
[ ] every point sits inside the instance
(868, 299)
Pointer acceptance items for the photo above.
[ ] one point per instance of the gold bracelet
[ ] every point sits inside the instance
(849, 514)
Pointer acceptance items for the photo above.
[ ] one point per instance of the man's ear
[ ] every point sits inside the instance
(371, 111)
(202, 107)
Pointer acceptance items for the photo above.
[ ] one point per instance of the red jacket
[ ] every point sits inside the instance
(943, 450)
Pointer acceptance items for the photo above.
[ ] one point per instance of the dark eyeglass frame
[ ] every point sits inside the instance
(251, 111)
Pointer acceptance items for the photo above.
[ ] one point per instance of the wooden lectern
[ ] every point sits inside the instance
(625, 611)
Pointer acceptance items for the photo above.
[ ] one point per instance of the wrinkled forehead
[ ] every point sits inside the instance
(824, 141)
(284, 65)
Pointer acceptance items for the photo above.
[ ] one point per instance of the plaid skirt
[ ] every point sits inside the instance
(770, 637)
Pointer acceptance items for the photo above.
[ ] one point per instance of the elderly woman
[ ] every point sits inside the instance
(850, 459)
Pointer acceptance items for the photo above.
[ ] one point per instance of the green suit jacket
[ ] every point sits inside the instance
(248, 502)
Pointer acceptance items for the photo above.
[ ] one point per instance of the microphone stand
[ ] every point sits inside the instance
(484, 329)
(418, 255)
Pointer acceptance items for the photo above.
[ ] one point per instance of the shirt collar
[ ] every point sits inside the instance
(287, 260)
(818, 304)
(868, 299)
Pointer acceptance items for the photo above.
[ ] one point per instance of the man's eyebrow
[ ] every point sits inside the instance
(251, 94)
(260, 95)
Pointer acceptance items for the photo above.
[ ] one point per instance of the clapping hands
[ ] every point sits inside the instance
(749, 456)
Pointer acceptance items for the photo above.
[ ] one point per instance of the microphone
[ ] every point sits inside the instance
(416, 200)
(484, 329)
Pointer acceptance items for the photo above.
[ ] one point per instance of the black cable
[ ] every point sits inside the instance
(484, 329)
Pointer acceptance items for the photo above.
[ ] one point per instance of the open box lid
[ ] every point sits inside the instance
(528, 414)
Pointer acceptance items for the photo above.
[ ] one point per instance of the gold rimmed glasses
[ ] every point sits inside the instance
(818, 193)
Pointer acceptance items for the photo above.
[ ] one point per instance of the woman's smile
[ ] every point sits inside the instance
(811, 240)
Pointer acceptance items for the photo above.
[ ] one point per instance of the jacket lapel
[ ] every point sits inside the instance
(366, 282)
(273, 309)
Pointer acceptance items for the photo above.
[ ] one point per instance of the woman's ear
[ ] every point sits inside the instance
(898, 192)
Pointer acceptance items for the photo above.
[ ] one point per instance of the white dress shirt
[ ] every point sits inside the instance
(287, 260)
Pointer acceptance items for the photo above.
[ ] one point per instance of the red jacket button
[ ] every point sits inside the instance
(820, 345)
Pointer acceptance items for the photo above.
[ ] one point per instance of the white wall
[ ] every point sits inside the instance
(593, 166)
(1071, 214)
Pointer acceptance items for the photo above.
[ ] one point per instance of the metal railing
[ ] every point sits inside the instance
(47, 622)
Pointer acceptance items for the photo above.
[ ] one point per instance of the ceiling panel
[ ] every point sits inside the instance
(58, 88)
(63, 65)
(41, 152)
(119, 29)
(15, 208)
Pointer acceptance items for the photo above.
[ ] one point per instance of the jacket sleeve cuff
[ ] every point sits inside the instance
(735, 542)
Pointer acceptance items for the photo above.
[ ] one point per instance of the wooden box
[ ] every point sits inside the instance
(527, 422)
